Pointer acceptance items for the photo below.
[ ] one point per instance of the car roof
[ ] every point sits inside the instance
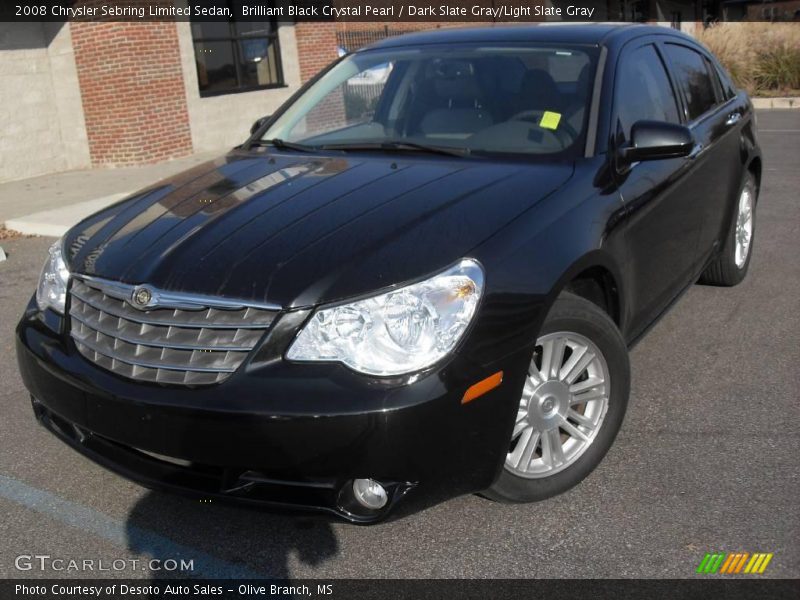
(562, 33)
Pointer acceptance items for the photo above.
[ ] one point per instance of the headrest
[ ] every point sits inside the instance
(583, 80)
(454, 80)
(539, 90)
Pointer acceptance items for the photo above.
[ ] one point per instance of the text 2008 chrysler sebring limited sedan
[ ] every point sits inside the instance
(418, 279)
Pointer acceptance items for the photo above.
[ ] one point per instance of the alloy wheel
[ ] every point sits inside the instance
(744, 227)
(564, 401)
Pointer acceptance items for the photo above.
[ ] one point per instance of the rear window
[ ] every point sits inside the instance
(691, 71)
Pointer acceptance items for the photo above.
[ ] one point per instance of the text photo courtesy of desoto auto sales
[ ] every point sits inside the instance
(395, 299)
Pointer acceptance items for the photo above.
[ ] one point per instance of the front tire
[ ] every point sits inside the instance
(572, 404)
(730, 267)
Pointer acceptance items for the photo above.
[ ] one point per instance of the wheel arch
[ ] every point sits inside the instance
(754, 167)
(597, 278)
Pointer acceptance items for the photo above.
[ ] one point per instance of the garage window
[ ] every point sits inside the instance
(234, 57)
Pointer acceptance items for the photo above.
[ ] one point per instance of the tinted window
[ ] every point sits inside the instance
(643, 90)
(728, 90)
(693, 77)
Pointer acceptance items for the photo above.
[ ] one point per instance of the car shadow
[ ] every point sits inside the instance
(223, 541)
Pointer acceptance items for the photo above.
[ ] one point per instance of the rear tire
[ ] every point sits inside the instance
(573, 436)
(730, 267)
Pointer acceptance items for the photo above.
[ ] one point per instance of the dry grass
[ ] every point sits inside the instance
(10, 234)
(761, 57)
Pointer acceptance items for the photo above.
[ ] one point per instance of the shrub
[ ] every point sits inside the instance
(761, 57)
(777, 68)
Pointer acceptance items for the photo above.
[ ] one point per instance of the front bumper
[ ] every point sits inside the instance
(275, 433)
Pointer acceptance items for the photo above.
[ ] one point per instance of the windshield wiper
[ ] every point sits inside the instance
(401, 146)
(283, 145)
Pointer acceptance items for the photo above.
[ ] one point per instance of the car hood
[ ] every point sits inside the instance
(297, 230)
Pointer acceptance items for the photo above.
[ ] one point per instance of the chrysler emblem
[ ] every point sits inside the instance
(141, 297)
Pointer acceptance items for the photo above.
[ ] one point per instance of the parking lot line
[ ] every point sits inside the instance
(121, 534)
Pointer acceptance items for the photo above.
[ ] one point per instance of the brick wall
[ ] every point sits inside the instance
(132, 89)
(316, 47)
(404, 26)
(317, 42)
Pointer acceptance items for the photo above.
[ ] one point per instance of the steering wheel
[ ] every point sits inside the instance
(565, 133)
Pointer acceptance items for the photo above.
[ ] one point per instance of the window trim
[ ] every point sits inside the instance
(234, 39)
(593, 124)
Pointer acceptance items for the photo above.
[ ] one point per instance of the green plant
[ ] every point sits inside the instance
(777, 68)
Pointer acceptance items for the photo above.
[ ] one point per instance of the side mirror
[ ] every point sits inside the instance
(654, 140)
(259, 122)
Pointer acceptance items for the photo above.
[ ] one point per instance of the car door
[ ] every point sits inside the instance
(663, 214)
(715, 122)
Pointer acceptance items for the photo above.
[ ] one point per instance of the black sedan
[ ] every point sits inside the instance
(420, 278)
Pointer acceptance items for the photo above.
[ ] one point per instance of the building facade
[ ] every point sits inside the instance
(83, 94)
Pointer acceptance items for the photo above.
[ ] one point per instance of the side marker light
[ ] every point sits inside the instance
(477, 390)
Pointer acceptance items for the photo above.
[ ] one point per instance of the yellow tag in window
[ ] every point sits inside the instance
(550, 120)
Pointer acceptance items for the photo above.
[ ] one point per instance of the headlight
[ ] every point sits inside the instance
(404, 330)
(52, 290)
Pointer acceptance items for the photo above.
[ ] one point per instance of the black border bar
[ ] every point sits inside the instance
(704, 587)
(381, 11)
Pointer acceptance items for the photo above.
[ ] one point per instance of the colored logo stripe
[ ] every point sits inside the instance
(733, 562)
(758, 563)
(711, 562)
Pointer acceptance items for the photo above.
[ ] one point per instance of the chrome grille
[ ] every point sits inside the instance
(182, 340)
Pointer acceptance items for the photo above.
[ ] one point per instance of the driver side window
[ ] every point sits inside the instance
(643, 90)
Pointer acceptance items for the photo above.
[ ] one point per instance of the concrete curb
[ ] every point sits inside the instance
(56, 222)
(776, 102)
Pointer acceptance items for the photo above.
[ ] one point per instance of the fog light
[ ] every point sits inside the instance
(369, 493)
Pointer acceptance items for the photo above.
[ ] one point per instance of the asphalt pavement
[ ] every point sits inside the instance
(706, 461)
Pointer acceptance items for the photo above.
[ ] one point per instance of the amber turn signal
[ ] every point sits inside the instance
(477, 390)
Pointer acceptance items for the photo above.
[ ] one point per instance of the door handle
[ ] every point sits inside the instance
(733, 118)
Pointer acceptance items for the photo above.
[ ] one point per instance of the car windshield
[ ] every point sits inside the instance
(470, 99)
